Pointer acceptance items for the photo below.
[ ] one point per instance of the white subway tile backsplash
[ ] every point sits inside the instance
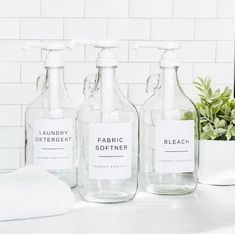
(13, 51)
(150, 8)
(20, 8)
(129, 29)
(9, 159)
(9, 28)
(225, 51)
(226, 8)
(183, 8)
(197, 51)
(12, 137)
(62, 8)
(9, 72)
(106, 8)
(132, 72)
(10, 115)
(85, 28)
(194, 8)
(214, 29)
(172, 29)
(205, 9)
(221, 73)
(41, 28)
(17, 93)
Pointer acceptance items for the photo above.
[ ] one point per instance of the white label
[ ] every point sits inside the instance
(53, 143)
(110, 150)
(174, 146)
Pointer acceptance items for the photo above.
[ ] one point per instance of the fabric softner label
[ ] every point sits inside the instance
(53, 143)
(110, 150)
(174, 146)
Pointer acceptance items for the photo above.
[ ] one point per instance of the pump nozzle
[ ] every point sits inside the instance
(168, 45)
(45, 46)
(102, 44)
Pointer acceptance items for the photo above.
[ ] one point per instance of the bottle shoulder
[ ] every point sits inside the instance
(42, 101)
(40, 108)
(156, 108)
(122, 109)
(118, 102)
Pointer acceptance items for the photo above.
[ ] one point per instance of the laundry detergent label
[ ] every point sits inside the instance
(110, 146)
(53, 143)
(174, 146)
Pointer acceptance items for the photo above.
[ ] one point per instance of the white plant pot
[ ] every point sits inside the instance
(217, 162)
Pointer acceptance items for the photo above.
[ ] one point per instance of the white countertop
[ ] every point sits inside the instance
(210, 209)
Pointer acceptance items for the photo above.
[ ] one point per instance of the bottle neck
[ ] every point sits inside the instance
(56, 89)
(107, 76)
(169, 90)
(107, 85)
(55, 77)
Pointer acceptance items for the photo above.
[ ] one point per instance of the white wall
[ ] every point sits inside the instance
(205, 29)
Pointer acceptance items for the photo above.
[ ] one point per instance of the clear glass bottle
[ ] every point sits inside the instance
(168, 140)
(50, 122)
(108, 136)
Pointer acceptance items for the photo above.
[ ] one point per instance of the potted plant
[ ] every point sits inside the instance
(217, 132)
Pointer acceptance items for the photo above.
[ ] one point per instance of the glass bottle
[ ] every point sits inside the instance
(108, 136)
(168, 140)
(50, 122)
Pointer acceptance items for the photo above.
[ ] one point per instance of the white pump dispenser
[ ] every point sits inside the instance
(168, 139)
(108, 124)
(168, 64)
(51, 118)
(107, 61)
(52, 63)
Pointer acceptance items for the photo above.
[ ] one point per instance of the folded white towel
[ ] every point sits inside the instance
(31, 192)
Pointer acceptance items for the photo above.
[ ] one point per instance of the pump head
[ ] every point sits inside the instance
(53, 59)
(106, 57)
(168, 57)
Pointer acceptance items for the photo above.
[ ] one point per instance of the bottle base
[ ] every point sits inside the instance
(169, 189)
(107, 197)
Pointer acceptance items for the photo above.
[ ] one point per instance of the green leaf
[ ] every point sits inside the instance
(217, 103)
(233, 131)
(233, 114)
(188, 115)
(217, 123)
(228, 136)
(206, 128)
